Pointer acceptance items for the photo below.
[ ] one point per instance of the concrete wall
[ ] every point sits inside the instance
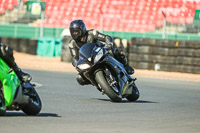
(165, 55)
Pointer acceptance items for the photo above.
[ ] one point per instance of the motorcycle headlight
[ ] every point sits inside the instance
(83, 66)
(98, 56)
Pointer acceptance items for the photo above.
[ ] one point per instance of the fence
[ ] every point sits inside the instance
(28, 32)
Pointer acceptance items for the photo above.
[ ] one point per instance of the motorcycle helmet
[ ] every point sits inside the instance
(77, 29)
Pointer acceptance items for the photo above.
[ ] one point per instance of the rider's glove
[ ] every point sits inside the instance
(108, 46)
(74, 63)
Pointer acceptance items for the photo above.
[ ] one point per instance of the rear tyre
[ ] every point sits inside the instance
(34, 105)
(103, 83)
(135, 94)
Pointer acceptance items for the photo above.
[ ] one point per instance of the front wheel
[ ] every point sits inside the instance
(34, 105)
(110, 90)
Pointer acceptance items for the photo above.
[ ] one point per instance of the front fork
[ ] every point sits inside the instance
(91, 77)
(112, 81)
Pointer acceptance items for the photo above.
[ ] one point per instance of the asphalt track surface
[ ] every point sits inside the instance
(165, 106)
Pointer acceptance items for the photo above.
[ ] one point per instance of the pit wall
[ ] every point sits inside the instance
(165, 55)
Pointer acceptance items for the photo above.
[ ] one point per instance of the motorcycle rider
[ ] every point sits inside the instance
(6, 53)
(80, 36)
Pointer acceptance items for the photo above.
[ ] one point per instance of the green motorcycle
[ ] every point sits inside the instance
(16, 95)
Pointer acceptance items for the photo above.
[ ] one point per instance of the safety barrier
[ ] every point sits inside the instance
(165, 55)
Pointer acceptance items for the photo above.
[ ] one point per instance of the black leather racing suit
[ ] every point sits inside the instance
(6, 53)
(93, 36)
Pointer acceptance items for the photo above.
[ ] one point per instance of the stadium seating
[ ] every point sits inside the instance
(7, 5)
(120, 15)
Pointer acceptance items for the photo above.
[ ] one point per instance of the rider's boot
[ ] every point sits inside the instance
(129, 69)
(24, 77)
(119, 55)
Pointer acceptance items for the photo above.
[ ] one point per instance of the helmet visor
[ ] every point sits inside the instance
(75, 33)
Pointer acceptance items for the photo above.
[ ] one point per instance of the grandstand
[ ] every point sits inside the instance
(7, 5)
(109, 15)
(120, 15)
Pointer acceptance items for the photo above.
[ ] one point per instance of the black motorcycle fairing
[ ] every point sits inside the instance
(28, 89)
(88, 54)
(27, 85)
(89, 50)
(82, 60)
(86, 49)
(118, 70)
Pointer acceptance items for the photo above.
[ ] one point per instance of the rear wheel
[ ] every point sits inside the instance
(34, 105)
(135, 94)
(108, 84)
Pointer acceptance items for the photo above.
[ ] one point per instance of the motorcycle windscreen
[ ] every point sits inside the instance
(81, 60)
(87, 49)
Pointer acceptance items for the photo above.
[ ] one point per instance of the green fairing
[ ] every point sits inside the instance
(10, 82)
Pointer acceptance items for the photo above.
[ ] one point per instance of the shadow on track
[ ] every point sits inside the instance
(21, 114)
(126, 101)
(143, 101)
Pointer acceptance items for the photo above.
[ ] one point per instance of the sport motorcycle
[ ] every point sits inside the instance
(17, 95)
(109, 76)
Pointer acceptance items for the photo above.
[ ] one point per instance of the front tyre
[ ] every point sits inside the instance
(100, 78)
(34, 105)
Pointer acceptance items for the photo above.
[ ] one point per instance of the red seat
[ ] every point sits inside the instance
(2, 10)
(7, 5)
(123, 15)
